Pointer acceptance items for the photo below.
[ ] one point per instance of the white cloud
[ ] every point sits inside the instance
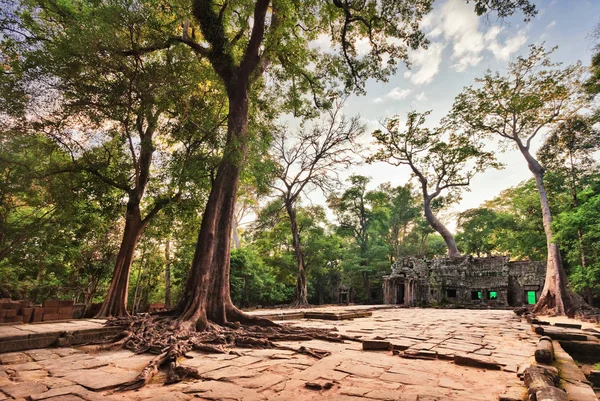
(504, 51)
(456, 22)
(398, 93)
(551, 25)
(426, 64)
(395, 94)
(421, 97)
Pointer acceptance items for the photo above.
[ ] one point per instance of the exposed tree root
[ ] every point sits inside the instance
(159, 335)
(297, 304)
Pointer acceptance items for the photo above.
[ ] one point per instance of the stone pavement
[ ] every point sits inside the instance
(497, 337)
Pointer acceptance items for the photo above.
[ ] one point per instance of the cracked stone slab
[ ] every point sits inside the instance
(214, 390)
(24, 389)
(73, 390)
(98, 380)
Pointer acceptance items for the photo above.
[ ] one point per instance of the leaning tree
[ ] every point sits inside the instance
(307, 161)
(441, 161)
(534, 95)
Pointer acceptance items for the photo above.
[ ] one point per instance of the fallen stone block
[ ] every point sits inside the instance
(568, 325)
(477, 362)
(419, 354)
(545, 351)
(561, 334)
(540, 382)
(318, 386)
(376, 345)
(582, 350)
(594, 378)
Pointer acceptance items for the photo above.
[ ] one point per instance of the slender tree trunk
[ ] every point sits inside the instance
(235, 236)
(555, 299)
(115, 303)
(206, 296)
(440, 228)
(137, 285)
(301, 297)
(168, 300)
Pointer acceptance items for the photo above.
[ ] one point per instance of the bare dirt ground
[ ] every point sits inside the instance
(492, 336)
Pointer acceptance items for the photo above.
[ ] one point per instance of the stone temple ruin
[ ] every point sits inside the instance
(491, 281)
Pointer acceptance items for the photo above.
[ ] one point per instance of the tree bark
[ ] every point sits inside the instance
(115, 303)
(301, 297)
(168, 300)
(440, 228)
(555, 298)
(206, 296)
(235, 236)
(137, 285)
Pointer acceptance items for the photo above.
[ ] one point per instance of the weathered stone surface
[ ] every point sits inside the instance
(361, 370)
(13, 358)
(213, 390)
(69, 397)
(512, 394)
(97, 380)
(477, 362)
(23, 390)
(66, 391)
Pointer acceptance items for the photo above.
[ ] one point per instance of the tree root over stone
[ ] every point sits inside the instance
(158, 334)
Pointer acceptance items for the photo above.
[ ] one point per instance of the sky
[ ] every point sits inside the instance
(463, 46)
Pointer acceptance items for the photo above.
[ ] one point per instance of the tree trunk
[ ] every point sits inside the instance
(301, 297)
(440, 228)
(168, 300)
(235, 236)
(206, 296)
(137, 285)
(555, 299)
(366, 286)
(115, 303)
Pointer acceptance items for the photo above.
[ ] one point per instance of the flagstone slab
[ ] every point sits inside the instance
(24, 389)
(214, 390)
(97, 380)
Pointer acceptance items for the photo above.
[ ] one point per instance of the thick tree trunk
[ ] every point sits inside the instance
(440, 228)
(301, 297)
(168, 300)
(206, 296)
(555, 298)
(115, 303)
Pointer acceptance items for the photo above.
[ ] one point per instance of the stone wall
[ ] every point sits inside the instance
(523, 277)
(491, 281)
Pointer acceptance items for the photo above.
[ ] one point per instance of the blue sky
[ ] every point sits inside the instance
(462, 48)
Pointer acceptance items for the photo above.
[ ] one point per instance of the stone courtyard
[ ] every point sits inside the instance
(439, 354)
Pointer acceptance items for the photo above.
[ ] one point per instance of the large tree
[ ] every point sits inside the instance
(311, 160)
(515, 108)
(113, 109)
(440, 160)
